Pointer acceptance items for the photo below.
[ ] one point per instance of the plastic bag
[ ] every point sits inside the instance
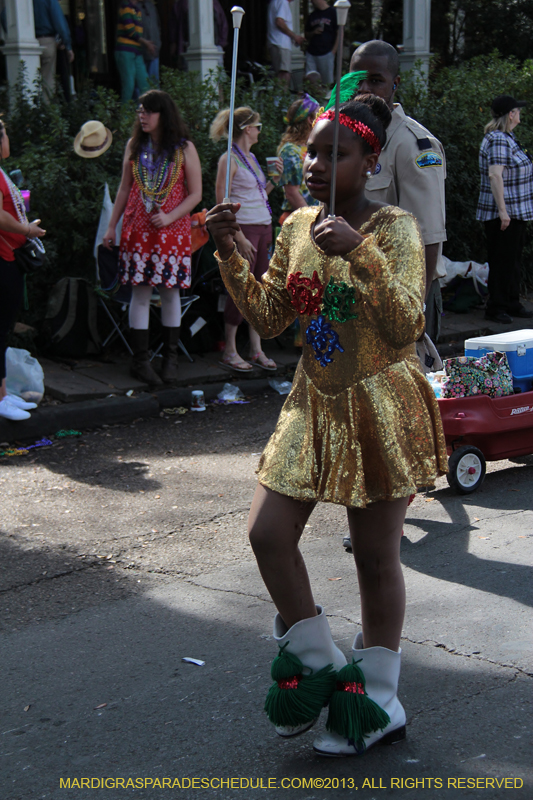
(24, 375)
(436, 379)
(105, 216)
(466, 269)
(281, 387)
(230, 394)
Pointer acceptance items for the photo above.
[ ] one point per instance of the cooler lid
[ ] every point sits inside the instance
(505, 342)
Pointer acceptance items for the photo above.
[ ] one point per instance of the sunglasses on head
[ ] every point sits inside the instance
(257, 125)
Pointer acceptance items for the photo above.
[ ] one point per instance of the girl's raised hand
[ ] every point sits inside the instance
(222, 225)
(335, 237)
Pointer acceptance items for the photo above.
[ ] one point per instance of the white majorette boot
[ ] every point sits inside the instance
(364, 710)
(305, 673)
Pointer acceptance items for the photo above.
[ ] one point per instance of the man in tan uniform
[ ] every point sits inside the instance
(411, 169)
(410, 174)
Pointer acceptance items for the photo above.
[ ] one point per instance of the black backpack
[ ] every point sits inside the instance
(72, 316)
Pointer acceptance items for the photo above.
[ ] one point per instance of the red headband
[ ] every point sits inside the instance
(360, 128)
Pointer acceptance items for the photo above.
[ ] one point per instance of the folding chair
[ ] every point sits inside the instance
(109, 289)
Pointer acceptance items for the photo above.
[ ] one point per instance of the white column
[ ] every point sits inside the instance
(416, 32)
(297, 54)
(202, 54)
(21, 44)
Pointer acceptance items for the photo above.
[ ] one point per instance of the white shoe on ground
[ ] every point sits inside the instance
(17, 401)
(10, 411)
(381, 668)
(311, 641)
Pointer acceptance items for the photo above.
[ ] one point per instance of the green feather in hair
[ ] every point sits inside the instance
(349, 86)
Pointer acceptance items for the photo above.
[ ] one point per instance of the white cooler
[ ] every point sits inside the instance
(518, 345)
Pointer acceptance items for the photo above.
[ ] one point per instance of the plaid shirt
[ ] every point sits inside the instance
(502, 148)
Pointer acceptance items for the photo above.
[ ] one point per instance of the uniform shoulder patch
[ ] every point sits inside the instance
(428, 159)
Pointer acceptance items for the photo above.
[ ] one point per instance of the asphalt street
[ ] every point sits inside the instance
(125, 550)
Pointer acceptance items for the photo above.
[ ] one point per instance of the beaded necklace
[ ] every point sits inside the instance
(20, 208)
(18, 200)
(260, 184)
(150, 175)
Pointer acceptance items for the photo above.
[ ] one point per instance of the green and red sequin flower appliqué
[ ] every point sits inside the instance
(334, 302)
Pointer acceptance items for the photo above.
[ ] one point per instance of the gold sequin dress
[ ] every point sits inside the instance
(361, 422)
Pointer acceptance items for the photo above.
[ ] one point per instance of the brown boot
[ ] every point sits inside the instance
(141, 367)
(169, 371)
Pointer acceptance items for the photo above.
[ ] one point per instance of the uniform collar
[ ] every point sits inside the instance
(398, 119)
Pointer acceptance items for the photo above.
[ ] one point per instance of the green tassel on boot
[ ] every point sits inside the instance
(351, 711)
(295, 698)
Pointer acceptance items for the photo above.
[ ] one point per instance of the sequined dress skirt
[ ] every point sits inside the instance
(373, 441)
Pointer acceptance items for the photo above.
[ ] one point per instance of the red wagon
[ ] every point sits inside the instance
(480, 429)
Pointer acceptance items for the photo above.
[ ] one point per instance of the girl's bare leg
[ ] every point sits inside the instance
(275, 525)
(376, 534)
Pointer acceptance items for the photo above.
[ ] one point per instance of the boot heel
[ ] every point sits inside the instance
(394, 736)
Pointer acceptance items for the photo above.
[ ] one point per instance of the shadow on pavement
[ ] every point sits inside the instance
(104, 692)
(444, 549)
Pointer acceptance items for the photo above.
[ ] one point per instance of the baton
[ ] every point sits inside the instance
(237, 14)
(341, 7)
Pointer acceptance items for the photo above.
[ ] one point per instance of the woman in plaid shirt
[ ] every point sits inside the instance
(505, 205)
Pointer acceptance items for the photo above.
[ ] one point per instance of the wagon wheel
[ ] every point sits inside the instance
(467, 469)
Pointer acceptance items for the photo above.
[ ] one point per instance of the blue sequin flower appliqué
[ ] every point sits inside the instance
(324, 340)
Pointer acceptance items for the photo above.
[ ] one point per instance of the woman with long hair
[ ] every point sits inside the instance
(161, 184)
(250, 188)
(14, 230)
(292, 148)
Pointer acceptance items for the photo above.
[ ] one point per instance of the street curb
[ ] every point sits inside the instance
(462, 336)
(49, 420)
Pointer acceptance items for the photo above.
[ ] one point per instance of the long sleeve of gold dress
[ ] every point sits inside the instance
(361, 423)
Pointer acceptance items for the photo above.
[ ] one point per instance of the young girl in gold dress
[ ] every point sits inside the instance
(360, 428)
